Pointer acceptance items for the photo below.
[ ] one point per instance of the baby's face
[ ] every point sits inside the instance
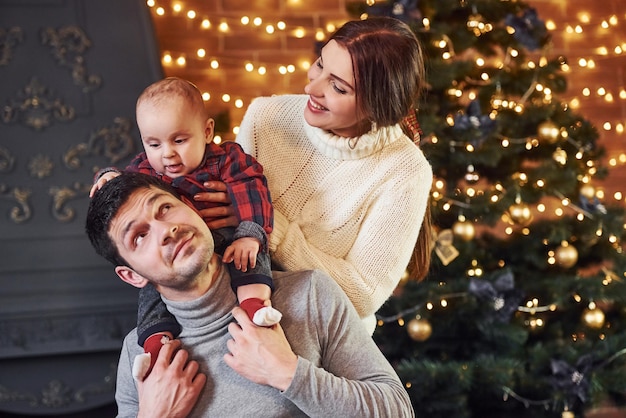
(173, 136)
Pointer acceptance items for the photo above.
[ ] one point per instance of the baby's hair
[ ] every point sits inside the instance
(169, 87)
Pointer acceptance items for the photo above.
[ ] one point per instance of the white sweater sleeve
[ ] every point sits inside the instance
(371, 270)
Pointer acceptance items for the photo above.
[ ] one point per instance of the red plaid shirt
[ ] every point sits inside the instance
(243, 175)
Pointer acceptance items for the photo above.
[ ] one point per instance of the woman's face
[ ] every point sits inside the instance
(332, 97)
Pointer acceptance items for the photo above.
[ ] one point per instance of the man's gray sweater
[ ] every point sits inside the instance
(340, 373)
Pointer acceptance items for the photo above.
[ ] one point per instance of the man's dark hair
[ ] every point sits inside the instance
(105, 204)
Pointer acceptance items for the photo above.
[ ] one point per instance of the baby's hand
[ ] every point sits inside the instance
(242, 252)
(102, 180)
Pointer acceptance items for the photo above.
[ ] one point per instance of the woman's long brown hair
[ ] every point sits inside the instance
(419, 265)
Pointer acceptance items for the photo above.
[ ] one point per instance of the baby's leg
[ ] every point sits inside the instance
(155, 326)
(255, 300)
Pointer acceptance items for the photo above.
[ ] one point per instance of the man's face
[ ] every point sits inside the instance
(162, 239)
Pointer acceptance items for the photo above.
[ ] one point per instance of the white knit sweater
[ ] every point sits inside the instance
(353, 211)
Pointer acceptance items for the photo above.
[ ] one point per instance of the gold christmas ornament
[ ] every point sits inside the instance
(520, 214)
(419, 329)
(566, 255)
(549, 132)
(464, 230)
(444, 248)
(587, 191)
(567, 414)
(560, 156)
(404, 278)
(593, 318)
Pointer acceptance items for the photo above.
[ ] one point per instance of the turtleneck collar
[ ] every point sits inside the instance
(342, 148)
(211, 311)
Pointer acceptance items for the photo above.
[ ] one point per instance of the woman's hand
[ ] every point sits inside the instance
(219, 216)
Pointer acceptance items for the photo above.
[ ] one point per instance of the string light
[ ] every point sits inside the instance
(578, 29)
(601, 26)
(227, 22)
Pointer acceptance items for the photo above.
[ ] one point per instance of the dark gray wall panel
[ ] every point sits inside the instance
(70, 73)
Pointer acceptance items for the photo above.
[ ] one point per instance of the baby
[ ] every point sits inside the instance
(177, 136)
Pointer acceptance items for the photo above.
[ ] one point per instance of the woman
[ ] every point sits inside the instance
(350, 189)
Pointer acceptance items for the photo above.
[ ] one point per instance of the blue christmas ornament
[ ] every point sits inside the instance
(530, 31)
(592, 205)
(404, 10)
(472, 120)
(500, 294)
(572, 380)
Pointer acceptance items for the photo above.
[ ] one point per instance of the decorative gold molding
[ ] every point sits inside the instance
(36, 107)
(60, 197)
(114, 142)
(9, 38)
(68, 45)
(40, 166)
(7, 161)
(23, 212)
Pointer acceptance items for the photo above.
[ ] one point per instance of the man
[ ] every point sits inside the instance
(319, 361)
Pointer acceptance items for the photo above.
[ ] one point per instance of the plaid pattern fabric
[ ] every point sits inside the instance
(411, 123)
(243, 175)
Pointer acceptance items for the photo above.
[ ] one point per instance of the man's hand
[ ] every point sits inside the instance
(219, 216)
(260, 354)
(173, 386)
(242, 252)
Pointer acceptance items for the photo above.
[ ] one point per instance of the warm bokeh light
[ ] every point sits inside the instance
(591, 39)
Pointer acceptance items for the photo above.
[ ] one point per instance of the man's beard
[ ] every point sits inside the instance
(188, 274)
(188, 277)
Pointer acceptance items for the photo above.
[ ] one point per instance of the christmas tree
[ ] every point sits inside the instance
(523, 313)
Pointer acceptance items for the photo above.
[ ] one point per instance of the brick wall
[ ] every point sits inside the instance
(248, 43)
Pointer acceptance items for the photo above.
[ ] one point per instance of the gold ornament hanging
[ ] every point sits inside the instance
(560, 156)
(404, 278)
(549, 132)
(444, 248)
(419, 329)
(464, 229)
(567, 414)
(587, 191)
(520, 214)
(593, 318)
(566, 255)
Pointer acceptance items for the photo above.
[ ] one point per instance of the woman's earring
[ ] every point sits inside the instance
(374, 127)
